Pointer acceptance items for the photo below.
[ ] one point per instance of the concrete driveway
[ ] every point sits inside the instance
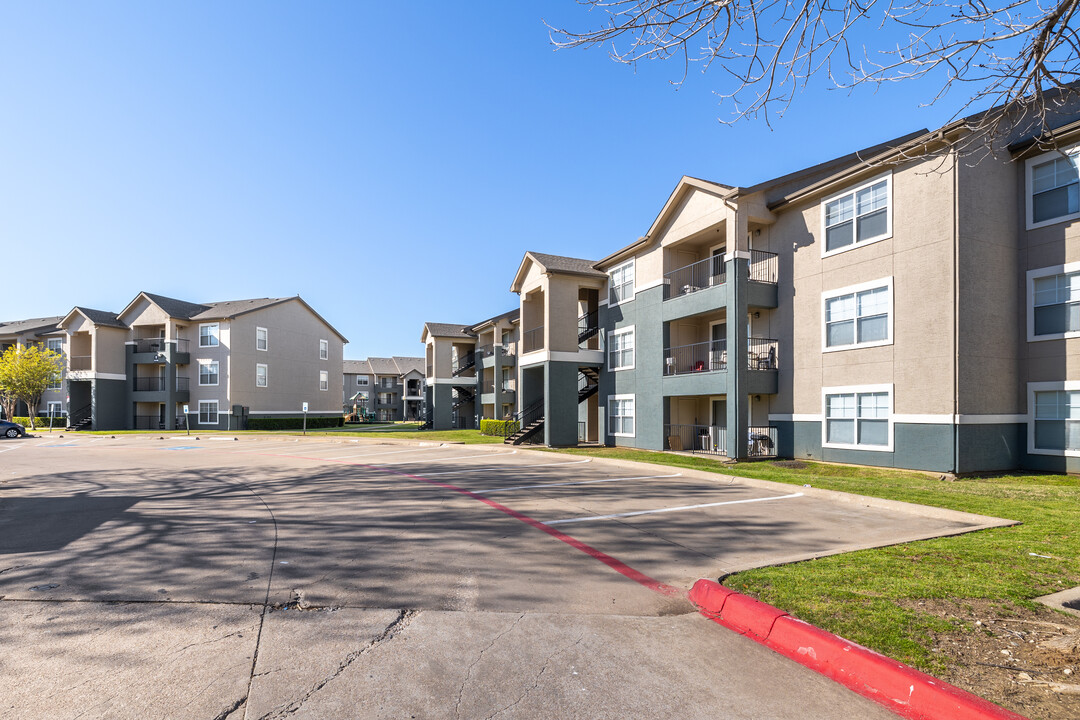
(261, 578)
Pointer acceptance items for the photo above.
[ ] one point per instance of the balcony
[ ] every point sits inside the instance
(157, 384)
(712, 440)
(533, 340)
(762, 354)
(764, 267)
(154, 422)
(695, 277)
(708, 356)
(80, 362)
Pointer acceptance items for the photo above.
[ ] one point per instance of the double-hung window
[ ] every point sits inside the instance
(858, 418)
(324, 350)
(262, 341)
(55, 344)
(362, 380)
(1057, 420)
(208, 372)
(324, 380)
(260, 375)
(858, 216)
(1053, 188)
(208, 335)
(208, 412)
(621, 350)
(858, 316)
(1054, 302)
(621, 415)
(621, 283)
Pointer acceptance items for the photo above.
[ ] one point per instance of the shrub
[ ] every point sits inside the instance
(499, 428)
(294, 423)
(40, 420)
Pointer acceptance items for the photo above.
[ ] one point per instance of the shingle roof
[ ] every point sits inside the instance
(409, 364)
(232, 308)
(511, 316)
(448, 330)
(101, 317)
(176, 308)
(560, 263)
(383, 366)
(33, 325)
(357, 367)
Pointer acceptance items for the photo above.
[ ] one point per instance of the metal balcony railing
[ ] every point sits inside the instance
(762, 441)
(533, 340)
(708, 356)
(485, 351)
(155, 384)
(764, 267)
(144, 345)
(698, 439)
(762, 354)
(697, 276)
(154, 422)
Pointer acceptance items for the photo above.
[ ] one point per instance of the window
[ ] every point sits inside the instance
(621, 284)
(55, 344)
(858, 216)
(208, 372)
(621, 350)
(386, 382)
(1057, 420)
(260, 375)
(324, 380)
(386, 398)
(1053, 188)
(362, 380)
(507, 339)
(1056, 304)
(208, 412)
(858, 418)
(208, 335)
(621, 415)
(57, 382)
(324, 350)
(261, 339)
(54, 409)
(858, 316)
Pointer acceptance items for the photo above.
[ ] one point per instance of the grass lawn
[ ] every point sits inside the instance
(399, 431)
(872, 596)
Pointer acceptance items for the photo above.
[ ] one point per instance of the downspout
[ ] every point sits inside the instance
(956, 312)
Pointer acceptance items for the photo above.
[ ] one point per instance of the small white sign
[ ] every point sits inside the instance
(185, 409)
(305, 407)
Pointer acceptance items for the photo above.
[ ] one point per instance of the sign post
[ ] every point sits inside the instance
(51, 406)
(305, 418)
(187, 424)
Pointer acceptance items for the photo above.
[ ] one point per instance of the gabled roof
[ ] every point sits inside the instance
(35, 326)
(509, 316)
(555, 264)
(357, 367)
(98, 317)
(232, 308)
(450, 330)
(383, 366)
(172, 307)
(409, 364)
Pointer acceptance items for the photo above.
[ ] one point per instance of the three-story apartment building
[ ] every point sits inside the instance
(392, 388)
(901, 306)
(45, 333)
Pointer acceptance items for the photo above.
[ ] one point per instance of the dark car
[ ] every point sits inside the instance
(11, 430)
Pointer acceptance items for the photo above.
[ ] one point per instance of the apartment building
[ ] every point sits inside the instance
(392, 388)
(44, 332)
(224, 361)
(901, 306)
(471, 371)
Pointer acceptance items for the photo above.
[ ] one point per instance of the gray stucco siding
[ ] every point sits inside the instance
(915, 447)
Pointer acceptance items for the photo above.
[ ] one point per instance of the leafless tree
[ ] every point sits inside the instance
(1021, 57)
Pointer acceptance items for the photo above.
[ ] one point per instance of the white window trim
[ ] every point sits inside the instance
(217, 412)
(856, 389)
(621, 397)
(1032, 388)
(633, 285)
(217, 374)
(362, 381)
(266, 375)
(849, 290)
(217, 335)
(1029, 187)
(324, 345)
(888, 177)
(267, 332)
(1032, 276)
(633, 357)
(324, 374)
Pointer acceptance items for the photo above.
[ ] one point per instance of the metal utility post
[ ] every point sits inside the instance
(305, 418)
(187, 422)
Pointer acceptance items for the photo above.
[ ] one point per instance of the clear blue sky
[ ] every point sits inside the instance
(390, 162)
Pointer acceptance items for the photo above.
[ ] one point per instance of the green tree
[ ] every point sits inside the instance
(25, 374)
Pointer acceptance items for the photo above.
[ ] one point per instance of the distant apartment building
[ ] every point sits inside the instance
(471, 371)
(392, 388)
(225, 361)
(902, 306)
(46, 333)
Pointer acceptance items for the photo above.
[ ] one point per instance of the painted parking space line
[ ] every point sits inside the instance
(505, 467)
(9, 449)
(391, 452)
(671, 509)
(462, 457)
(576, 482)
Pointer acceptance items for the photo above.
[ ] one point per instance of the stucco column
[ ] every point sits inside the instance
(560, 404)
(737, 266)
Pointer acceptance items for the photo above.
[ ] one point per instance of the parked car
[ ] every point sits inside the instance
(11, 430)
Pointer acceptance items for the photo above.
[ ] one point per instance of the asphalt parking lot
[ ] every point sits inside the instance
(273, 577)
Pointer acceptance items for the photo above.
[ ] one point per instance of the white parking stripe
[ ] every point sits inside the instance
(671, 509)
(578, 482)
(392, 452)
(14, 447)
(505, 467)
(461, 457)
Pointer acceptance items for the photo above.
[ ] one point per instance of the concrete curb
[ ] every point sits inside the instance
(900, 688)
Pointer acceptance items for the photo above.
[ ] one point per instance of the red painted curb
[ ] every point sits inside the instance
(902, 689)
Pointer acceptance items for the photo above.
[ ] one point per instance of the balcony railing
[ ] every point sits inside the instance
(509, 348)
(764, 267)
(488, 386)
(698, 276)
(80, 362)
(762, 441)
(155, 384)
(154, 422)
(533, 340)
(509, 385)
(463, 422)
(708, 356)
(145, 345)
(698, 439)
(485, 351)
(762, 354)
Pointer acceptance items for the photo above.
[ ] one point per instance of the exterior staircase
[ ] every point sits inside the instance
(588, 383)
(530, 423)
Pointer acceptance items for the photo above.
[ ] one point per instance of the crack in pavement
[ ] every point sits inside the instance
(536, 680)
(468, 673)
(389, 633)
(231, 709)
